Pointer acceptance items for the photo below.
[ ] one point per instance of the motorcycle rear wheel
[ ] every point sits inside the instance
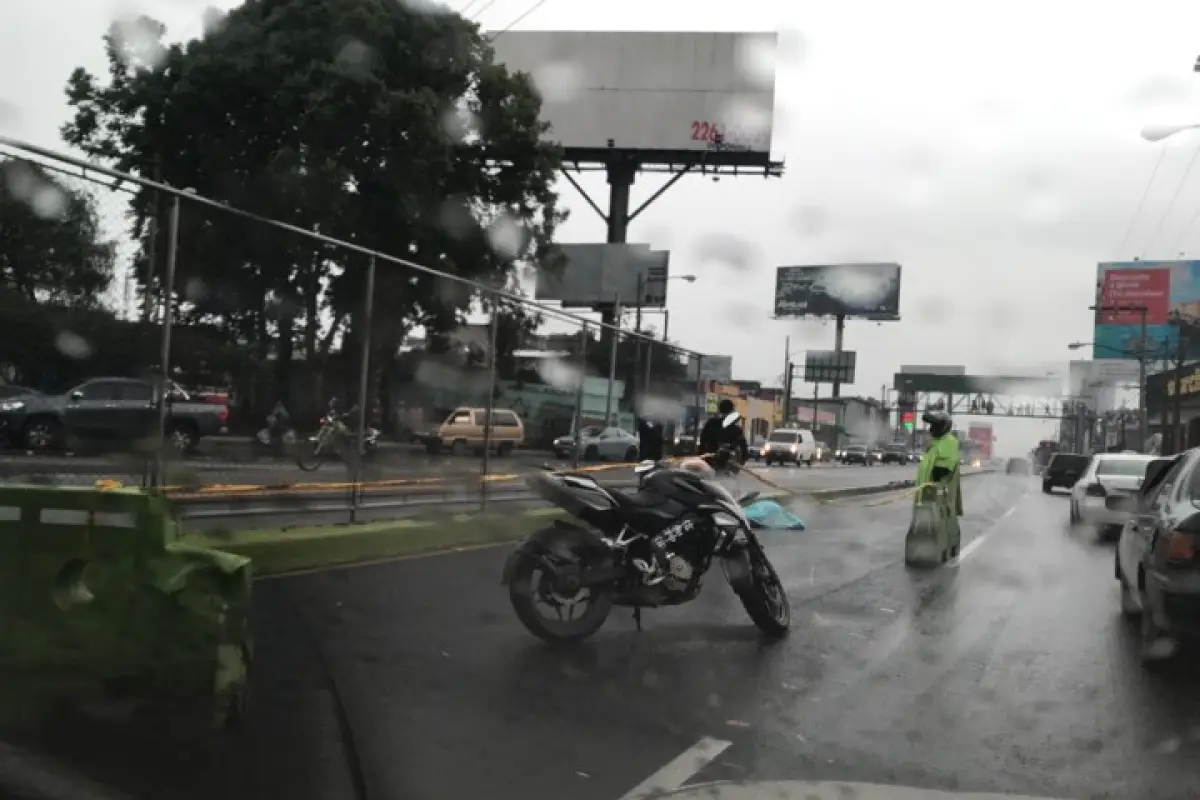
(522, 592)
(764, 599)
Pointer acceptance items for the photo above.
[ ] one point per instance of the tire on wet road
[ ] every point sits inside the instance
(764, 597)
(560, 632)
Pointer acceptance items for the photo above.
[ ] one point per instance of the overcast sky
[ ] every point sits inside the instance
(991, 149)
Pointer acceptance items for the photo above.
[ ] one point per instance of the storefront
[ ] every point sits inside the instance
(1163, 401)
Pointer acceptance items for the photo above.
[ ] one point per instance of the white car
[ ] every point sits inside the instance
(1104, 495)
(790, 445)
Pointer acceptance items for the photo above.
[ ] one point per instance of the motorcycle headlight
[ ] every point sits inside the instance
(726, 521)
(12, 405)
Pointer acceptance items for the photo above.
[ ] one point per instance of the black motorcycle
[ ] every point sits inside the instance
(641, 550)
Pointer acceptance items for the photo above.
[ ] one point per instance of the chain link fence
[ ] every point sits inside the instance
(326, 395)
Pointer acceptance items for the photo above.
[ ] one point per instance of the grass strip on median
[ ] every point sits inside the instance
(278, 550)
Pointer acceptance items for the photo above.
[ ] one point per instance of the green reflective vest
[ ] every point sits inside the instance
(943, 452)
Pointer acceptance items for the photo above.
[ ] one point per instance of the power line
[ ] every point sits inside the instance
(482, 9)
(519, 19)
(1167, 211)
(1162, 151)
(463, 11)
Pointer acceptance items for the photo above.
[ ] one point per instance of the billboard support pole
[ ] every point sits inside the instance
(699, 402)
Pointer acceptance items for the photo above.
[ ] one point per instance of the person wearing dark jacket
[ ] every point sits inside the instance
(717, 436)
(650, 440)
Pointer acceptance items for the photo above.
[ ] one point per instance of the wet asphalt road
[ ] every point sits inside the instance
(1011, 672)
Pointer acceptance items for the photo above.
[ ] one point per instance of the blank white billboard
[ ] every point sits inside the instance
(650, 90)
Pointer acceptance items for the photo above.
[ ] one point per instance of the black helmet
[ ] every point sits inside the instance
(939, 421)
(725, 406)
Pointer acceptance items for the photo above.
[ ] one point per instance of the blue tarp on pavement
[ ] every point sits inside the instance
(769, 514)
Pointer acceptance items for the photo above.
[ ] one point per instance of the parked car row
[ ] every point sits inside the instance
(1152, 505)
(117, 412)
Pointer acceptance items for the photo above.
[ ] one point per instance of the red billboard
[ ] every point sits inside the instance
(1150, 287)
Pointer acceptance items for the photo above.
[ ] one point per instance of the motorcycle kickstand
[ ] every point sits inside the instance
(637, 617)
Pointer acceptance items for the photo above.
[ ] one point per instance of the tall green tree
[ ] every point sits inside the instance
(374, 122)
(52, 248)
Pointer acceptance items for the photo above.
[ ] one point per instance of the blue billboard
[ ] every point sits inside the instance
(1163, 288)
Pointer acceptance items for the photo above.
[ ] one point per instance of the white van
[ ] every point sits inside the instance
(790, 445)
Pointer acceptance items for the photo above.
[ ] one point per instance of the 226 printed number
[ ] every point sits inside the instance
(706, 131)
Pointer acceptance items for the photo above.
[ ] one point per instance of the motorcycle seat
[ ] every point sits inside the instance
(645, 511)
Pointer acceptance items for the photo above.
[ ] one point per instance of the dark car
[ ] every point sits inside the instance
(114, 411)
(1158, 556)
(1063, 471)
(898, 454)
(858, 454)
(10, 398)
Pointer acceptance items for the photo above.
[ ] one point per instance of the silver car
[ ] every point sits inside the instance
(1103, 497)
(1158, 556)
(608, 444)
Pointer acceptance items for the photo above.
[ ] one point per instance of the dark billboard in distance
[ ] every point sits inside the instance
(866, 291)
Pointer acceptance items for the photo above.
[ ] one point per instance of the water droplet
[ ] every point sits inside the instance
(72, 345)
(558, 81)
(507, 237)
(138, 42)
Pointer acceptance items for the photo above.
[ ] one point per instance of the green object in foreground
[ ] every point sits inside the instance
(934, 534)
(104, 609)
(281, 550)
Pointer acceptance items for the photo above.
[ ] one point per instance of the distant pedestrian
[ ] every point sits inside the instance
(650, 439)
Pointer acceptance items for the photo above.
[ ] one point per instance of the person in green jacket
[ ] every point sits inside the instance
(940, 464)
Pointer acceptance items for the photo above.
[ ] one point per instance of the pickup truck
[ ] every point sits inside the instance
(113, 411)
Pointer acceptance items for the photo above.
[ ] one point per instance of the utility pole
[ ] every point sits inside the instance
(787, 379)
(637, 343)
(1142, 357)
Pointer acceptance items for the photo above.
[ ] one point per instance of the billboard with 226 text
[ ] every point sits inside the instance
(1162, 288)
(639, 90)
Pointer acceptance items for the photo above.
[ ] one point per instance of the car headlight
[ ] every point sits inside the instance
(793, 448)
(12, 405)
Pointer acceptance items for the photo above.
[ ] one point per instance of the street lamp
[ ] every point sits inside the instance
(1156, 133)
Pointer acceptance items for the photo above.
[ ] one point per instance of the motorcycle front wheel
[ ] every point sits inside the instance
(310, 455)
(764, 599)
(533, 589)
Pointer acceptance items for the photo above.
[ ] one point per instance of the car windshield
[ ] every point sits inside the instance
(787, 437)
(1122, 466)
(857, 448)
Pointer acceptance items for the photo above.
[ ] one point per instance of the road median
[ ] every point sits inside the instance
(284, 550)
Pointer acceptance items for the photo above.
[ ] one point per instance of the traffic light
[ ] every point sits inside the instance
(908, 419)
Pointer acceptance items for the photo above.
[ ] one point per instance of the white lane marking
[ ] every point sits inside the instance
(829, 790)
(672, 776)
(978, 541)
